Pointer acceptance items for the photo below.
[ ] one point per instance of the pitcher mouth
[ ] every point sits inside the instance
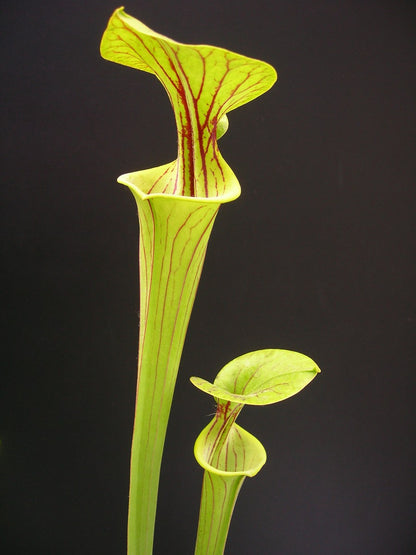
(142, 183)
(250, 467)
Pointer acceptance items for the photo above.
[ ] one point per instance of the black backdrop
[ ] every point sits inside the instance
(315, 256)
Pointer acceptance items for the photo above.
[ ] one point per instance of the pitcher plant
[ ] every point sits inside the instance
(227, 452)
(177, 205)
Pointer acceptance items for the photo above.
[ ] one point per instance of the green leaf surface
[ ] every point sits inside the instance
(261, 377)
(203, 84)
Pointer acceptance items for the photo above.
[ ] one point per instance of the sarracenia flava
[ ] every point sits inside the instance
(227, 452)
(177, 205)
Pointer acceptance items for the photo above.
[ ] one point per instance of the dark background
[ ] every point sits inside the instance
(316, 256)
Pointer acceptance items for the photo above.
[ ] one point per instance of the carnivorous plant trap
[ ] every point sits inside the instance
(177, 205)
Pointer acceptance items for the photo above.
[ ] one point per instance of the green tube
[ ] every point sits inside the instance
(174, 233)
(217, 491)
